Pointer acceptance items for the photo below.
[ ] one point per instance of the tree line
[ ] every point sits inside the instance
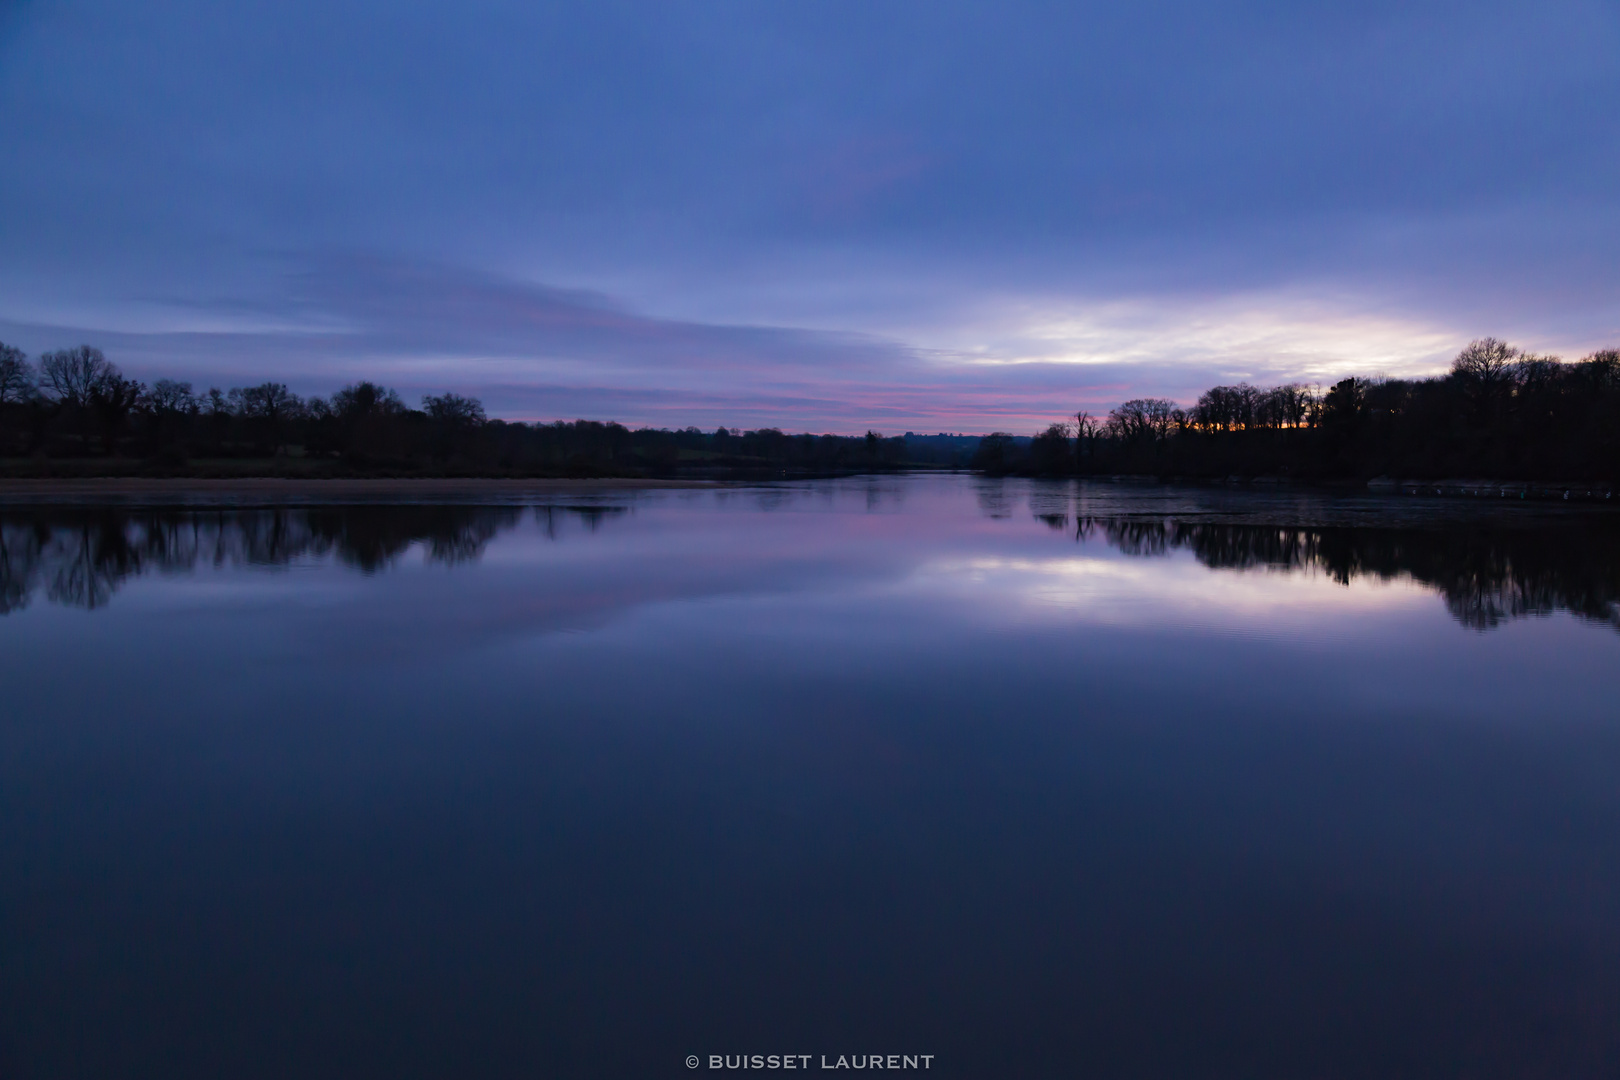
(1499, 412)
(73, 410)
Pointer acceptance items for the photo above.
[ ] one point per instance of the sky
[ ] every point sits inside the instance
(822, 216)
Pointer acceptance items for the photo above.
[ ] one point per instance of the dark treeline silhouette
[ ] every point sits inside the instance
(1498, 413)
(73, 411)
(80, 556)
(1487, 574)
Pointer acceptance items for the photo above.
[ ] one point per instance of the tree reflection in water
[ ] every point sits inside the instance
(1487, 572)
(1487, 575)
(80, 557)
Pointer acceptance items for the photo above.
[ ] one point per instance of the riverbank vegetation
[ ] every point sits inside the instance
(1499, 412)
(74, 413)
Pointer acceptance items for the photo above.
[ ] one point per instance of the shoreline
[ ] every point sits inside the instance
(269, 491)
(290, 491)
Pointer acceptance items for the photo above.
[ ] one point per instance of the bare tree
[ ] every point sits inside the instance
(269, 406)
(455, 418)
(1532, 372)
(1487, 361)
(1298, 404)
(1601, 370)
(1229, 408)
(168, 396)
(1161, 413)
(454, 410)
(1086, 430)
(364, 398)
(16, 379)
(114, 397)
(1127, 421)
(1486, 369)
(1142, 419)
(270, 401)
(76, 376)
(1270, 409)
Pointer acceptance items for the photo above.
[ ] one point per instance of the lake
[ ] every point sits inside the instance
(1001, 778)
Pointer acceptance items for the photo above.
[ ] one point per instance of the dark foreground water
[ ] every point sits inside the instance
(1036, 780)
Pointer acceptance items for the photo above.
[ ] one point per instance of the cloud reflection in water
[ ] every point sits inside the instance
(1488, 569)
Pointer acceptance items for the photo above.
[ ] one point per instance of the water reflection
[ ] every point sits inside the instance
(1487, 571)
(80, 557)
(1044, 779)
(1486, 576)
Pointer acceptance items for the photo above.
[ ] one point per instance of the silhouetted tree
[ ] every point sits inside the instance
(1087, 429)
(1049, 452)
(1344, 403)
(455, 419)
(171, 398)
(1141, 420)
(1486, 361)
(16, 379)
(453, 410)
(1499, 412)
(89, 393)
(72, 377)
(1485, 370)
(266, 410)
(996, 453)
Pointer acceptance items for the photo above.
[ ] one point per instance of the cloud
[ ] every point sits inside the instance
(832, 215)
(534, 351)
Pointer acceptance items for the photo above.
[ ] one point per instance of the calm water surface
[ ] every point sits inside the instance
(1041, 780)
